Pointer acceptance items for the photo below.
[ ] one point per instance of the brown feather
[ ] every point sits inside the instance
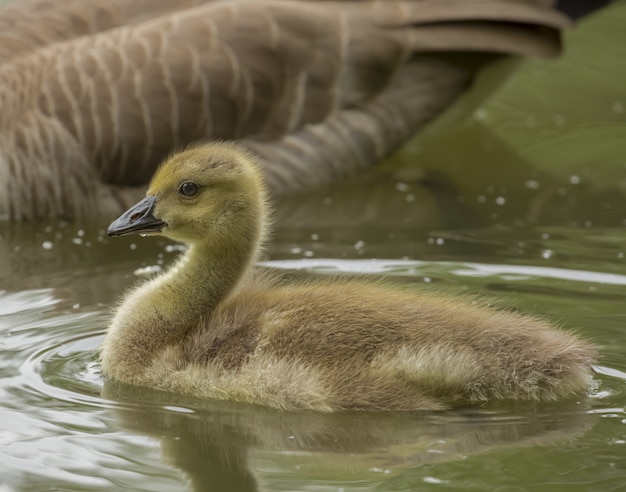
(97, 93)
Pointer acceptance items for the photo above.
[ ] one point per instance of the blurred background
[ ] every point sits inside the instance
(550, 139)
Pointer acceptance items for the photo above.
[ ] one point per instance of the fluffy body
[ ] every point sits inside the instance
(213, 326)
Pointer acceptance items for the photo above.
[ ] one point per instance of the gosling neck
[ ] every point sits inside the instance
(204, 276)
(164, 310)
(201, 278)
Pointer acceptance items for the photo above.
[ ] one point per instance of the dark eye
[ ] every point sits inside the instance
(188, 189)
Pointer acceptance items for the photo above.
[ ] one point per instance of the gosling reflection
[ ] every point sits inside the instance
(230, 447)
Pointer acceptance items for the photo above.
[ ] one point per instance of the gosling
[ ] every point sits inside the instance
(214, 326)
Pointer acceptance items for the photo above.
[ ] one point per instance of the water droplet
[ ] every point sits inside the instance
(434, 480)
(148, 270)
(481, 114)
(47, 245)
(171, 248)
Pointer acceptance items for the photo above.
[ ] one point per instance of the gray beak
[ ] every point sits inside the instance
(137, 219)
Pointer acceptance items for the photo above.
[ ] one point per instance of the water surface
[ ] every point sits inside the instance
(62, 427)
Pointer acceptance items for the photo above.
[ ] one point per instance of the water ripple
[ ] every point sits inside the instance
(60, 422)
(411, 267)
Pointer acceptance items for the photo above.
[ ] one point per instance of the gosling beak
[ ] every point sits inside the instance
(138, 219)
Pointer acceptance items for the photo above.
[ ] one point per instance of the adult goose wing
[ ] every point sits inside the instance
(26, 25)
(318, 88)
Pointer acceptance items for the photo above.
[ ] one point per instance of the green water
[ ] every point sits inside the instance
(63, 428)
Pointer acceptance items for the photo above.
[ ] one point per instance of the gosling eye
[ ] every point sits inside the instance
(188, 189)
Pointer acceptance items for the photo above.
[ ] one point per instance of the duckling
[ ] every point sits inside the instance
(212, 325)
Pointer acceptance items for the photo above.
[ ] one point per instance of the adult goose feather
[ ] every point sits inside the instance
(94, 94)
(214, 326)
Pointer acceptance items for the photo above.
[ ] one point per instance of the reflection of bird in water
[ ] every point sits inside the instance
(94, 93)
(212, 326)
(221, 446)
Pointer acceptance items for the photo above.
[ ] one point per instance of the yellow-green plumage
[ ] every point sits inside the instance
(214, 326)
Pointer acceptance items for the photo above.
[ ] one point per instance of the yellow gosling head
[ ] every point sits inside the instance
(212, 190)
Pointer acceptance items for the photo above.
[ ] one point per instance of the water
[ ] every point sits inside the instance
(62, 427)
